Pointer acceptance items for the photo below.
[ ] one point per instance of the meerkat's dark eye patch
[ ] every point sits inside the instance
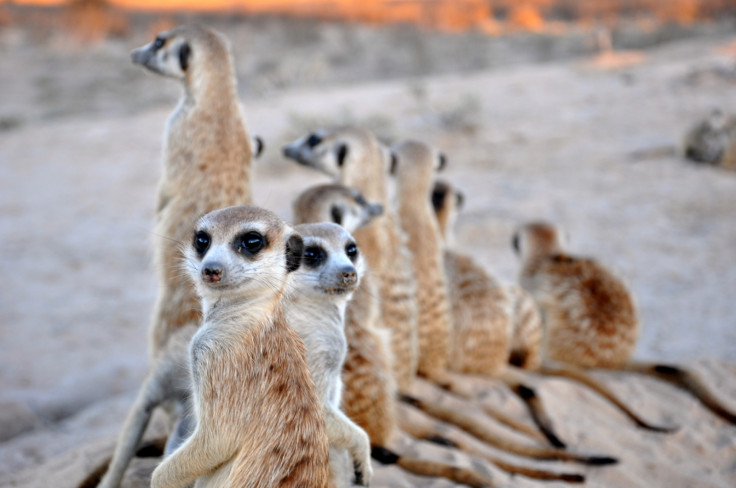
(515, 242)
(394, 164)
(336, 214)
(158, 43)
(342, 153)
(313, 140)
(201, 242)
(352, 251)
(185, 54)
(250, 243)
(314, 256)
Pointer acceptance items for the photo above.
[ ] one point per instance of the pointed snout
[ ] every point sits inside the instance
(140, 56)
(349, 275)
(213, 272)
(290, 151)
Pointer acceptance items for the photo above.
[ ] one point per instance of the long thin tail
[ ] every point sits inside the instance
(576, 374)
(687, 380)
(152, 448)
(473, 427)
(424, 467)
(533, 402)
(422, 426)
(515, 424)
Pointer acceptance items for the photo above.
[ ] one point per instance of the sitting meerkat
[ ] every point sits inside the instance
(319, 292)
(526, 339)
(712, 141)
(257, 411)
(589, 315)
(207, 159)
(370, 394)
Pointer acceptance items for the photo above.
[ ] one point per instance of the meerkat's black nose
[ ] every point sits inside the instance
(212, 272)
(349, 275)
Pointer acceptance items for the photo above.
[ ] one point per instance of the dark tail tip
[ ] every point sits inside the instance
(661, 429)
(415, 402)
(150, 450)
(525, 392)
(667, 369)
(553, 439)
(441, 441)
(572, 478)
(601, 460)
(383, 455)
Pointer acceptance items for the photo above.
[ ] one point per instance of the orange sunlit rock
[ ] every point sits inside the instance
(526, 17)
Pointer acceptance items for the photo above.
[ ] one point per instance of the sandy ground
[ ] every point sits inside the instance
(536, 141)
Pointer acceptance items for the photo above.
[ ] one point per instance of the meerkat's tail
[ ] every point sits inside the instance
(576, 374)
(152, 448)
(424, 467)
(423, 427)
(687, 380)
(473, 427)
(512, 378)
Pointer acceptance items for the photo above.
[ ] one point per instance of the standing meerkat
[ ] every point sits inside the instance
(370, 394)
(355, 158)
(319, 292)
(258, 416)
(589, 315)
(207, 157)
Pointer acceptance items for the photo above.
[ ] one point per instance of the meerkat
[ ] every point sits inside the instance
(207, 158)
(354, 158)
(525, 339)
(589, 315)
(712, 141)
(319, 293)
(370, 394)
(257, 412)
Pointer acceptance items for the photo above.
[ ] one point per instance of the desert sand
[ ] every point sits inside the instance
(527, 141)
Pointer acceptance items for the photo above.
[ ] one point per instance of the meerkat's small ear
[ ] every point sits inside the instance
(257, 146)
(185, 53)
(294, 250)
(336, 214)
(394, 163)
(342, 153)
(443, 162)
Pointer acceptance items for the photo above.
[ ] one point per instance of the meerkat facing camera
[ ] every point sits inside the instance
(589, 315)
(258, 415)
(319, 292)
(207, 157)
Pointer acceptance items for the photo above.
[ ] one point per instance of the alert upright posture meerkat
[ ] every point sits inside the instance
(590, 318)
(356, 159)
(712, 141)
(207, 157)
(319, 292)
(258, 416)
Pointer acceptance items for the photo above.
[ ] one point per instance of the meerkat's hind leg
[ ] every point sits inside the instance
(580, 376)
(687, 380)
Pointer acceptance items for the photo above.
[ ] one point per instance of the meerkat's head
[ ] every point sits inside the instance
(176, 52)
(335, 203)
(332, 151)
(706, 141)
(415, 164)
(446, 202)
(242, 250)
(331, 262)
(537, 240)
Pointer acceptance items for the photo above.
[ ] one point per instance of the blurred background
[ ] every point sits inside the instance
(566, 110)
